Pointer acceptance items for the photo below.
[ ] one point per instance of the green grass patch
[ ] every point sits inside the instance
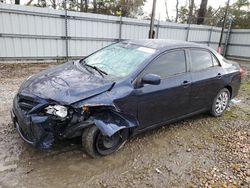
(245, 86)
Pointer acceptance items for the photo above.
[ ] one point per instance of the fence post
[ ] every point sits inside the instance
(188, 28)
(120, 28)
(158, 28)
(66, 30)
(210, 35)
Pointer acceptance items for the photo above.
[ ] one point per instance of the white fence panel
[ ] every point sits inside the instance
(41, 33)
(239, 43)
(134, 29)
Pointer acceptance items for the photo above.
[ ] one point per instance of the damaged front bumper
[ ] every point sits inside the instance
(34, 134)
(39, 129)
(33, 129)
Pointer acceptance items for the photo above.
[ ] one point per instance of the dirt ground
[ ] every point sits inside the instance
(201, 151)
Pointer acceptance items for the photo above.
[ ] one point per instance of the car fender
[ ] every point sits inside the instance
(109, 121)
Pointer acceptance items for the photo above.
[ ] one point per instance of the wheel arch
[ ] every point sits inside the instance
(110, 120)
(230, 89)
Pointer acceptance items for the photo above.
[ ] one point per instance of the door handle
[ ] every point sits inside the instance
(185, 83)
(219, 75)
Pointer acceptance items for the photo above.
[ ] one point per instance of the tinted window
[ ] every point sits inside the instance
(168, 64)
(200, 59)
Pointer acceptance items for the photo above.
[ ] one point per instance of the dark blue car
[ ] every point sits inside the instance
(122, 90)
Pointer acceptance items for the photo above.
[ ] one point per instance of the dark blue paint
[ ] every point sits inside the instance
(117, 104)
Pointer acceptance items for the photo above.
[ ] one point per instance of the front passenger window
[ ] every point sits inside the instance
(168, 64)
(200, 59)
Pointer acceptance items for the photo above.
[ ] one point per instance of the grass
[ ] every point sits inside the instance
(245, 86)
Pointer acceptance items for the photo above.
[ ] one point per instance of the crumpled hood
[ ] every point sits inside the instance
(66, 83)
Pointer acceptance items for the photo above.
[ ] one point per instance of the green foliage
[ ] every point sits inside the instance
(238, 11)
(184, 14)
(130, 8)
(72, 4)
(41, 3)
(241, 14)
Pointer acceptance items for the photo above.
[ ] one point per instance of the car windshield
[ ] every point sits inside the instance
(120, 59)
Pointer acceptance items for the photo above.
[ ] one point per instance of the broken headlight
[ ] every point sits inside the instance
(57, 110)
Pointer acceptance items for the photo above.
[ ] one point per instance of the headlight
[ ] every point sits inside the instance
(57, 110)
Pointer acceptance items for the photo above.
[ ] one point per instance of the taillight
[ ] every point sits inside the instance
(241, 72)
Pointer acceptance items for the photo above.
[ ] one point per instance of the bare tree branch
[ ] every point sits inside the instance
(29, 2)
(166, 5)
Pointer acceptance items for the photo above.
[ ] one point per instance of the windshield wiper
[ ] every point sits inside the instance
(101, 72)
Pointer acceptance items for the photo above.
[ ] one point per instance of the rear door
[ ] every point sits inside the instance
(206, 74)
(169, 99)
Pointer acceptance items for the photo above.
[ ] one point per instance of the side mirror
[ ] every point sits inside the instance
(152, 79)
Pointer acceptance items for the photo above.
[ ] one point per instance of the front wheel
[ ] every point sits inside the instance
(220, 103)
(96, 144)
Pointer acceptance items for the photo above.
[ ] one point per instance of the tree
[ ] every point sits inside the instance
(191, 8)
(188, 13)
(94, 6)
(183, 14)
(177, 10)
(53, 4)
(72, 5)
(29, 3)
(86, 5)
(239, 11)
(166, 6)
(202, 12)
(81, 6)
(41, 3)
(130, 8)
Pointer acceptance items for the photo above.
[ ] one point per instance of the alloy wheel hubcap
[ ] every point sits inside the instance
(221, 102)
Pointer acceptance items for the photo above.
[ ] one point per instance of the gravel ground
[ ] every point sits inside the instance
(201, 151)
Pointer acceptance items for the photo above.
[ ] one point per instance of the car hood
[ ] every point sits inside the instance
(66, 83)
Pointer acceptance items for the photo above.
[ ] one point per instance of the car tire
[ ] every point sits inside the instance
(220, 102)
(95, 144)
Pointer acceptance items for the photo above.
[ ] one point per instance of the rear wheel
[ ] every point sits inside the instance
(220, 103)
(96, 144)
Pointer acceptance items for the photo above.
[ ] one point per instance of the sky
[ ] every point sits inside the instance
(161, 8)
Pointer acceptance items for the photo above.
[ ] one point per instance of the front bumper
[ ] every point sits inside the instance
(34, 129)
(20, 130)
(41, 130)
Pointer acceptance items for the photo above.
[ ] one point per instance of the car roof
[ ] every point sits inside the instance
(160, 44)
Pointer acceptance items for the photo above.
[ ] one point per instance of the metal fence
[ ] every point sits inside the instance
(239, 44)
(41, 33)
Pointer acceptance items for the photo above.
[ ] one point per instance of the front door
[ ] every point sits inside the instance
(169, 99)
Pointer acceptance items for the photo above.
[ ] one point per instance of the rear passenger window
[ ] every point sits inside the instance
(168, 64)
(200, 59)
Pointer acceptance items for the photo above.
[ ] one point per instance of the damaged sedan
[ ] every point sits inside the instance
(122, 90)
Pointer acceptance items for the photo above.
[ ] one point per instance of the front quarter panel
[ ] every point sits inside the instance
(111, 111)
